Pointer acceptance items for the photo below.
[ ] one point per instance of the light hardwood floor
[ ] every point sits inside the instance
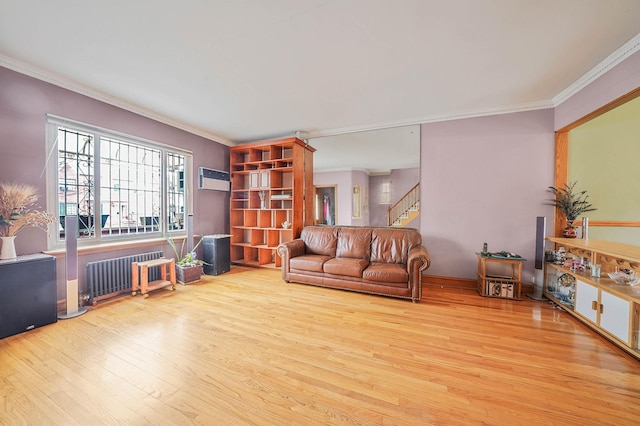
(246, 348)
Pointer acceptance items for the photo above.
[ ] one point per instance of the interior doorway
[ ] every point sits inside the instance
(325, 208)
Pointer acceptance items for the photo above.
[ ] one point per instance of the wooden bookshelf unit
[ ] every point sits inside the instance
(271, 183)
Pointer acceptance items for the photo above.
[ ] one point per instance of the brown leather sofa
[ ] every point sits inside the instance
(383, 261)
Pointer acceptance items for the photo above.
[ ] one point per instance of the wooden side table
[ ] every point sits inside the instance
(140, 276)
(500, 277)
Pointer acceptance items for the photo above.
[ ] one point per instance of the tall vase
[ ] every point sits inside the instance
(8, 250)
(569, 231)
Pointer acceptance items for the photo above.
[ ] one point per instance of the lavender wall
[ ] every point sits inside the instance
(24, 103)
(345, 182)
(615, 83)
(484, 180)
(402, 180)
(360, 178)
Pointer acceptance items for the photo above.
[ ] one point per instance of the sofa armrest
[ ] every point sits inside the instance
(419, 261)
(287, 251)
(419, 257)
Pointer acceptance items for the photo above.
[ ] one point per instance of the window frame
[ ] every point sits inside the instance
(54, 241)
(385, 195)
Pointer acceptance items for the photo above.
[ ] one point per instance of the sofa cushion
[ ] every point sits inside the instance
(320, 240)
(354, 243)
(386, 272)
(308, 262)
(389, 245)
(345, 266)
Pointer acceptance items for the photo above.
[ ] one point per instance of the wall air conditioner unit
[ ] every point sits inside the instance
(213, 179)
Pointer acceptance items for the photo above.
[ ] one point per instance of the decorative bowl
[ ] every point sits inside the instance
(623, 278)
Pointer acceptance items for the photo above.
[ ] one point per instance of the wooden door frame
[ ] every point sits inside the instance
(561, 166)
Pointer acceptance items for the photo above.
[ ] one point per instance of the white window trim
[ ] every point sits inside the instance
(51, 178)
(385, 197)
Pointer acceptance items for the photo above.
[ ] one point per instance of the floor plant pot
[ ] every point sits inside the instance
(188, 274)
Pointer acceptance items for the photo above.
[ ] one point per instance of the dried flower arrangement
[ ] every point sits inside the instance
(17, 209)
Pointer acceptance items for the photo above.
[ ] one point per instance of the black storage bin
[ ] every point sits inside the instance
(217, 254)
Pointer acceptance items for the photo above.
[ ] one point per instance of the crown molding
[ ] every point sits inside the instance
(65, 83)
(368, 172)
(481, 112)
(627, 49)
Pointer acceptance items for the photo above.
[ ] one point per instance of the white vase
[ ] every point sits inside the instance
(8, 250)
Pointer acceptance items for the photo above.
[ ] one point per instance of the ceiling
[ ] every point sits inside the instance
(244, 70)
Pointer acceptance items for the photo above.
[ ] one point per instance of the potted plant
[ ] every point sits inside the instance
(188, 267)
(17, 211)
(571, 204)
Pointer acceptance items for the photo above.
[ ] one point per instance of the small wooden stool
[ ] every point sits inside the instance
(140, 276)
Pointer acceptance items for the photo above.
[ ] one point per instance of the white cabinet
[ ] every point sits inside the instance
(611, 309)
(605, 310)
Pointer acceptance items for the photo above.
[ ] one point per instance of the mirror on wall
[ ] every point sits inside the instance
(325, 204)
(602, 159)
(369, 172)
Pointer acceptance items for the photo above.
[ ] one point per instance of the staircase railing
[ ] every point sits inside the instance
(403, 205)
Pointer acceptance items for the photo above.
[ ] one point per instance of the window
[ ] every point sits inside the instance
(118, 186)
(385, 193)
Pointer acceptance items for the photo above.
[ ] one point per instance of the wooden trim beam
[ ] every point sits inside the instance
(561, 176)
(449, 281)
(614, 223)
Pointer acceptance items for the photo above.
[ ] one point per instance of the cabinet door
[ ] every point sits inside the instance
(254, 180)
(551, 280)
(615, 316)
(259, 179)
(587, 301)
(264, 179)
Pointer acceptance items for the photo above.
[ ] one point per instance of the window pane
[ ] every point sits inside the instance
(385, 193)
(75, 180)
(175, 191)
(130, 188)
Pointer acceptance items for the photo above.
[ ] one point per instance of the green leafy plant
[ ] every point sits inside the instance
(572, 204)
(190, 258)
